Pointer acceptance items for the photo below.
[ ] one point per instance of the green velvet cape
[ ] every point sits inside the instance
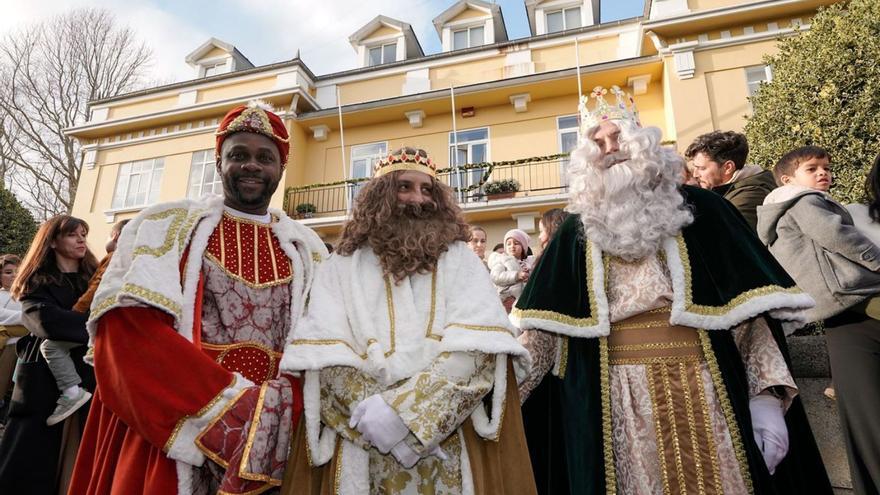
(722, 276)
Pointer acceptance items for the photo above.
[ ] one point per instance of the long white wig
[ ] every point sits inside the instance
(628, 208)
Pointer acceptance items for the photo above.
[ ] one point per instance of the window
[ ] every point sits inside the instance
(468, 38)
(363, 159)
(755, 75)
(384, 54)
(472, 147)
(138, 183)
(203, 176)
(567, 130)
(561, 20)
(213, 70)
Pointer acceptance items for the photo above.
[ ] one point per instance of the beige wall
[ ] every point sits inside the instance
(215, 52)
(716, 97)
(236, 90)
(372, 89)
(562, 57)
(468, 14)
(142, 107)
(382, 31)
(695, 5)
(467, 73)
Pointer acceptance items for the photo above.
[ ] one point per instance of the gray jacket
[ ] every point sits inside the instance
(813, 238)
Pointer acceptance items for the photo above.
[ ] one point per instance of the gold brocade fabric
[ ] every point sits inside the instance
(682, 422)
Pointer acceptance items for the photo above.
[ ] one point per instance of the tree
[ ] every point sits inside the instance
(49, 72)
(16, 224)
(825, 92)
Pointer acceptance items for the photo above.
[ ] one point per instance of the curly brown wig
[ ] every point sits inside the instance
(407, 238)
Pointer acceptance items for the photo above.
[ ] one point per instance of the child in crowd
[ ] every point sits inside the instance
(510, 270)
(813, 237)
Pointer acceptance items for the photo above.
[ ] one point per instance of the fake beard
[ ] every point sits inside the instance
(626, 210)
(417, 236)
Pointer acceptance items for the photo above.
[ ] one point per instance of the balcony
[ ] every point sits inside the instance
(538, 178)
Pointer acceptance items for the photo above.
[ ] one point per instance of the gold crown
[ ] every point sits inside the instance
(605, 112)
(405, 161)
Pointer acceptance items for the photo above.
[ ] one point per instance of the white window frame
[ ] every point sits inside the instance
(752, 86)
(356, 154)
(381, 47)
(206, 160)
(563, 163)
(124, 180)
(474, 175)
(468, 30)
(565, 26)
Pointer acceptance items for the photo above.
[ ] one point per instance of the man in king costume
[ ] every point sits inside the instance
(188, 326)
(654, 320)
(408, 354)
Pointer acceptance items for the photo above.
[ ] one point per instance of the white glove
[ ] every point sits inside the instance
(379, 423)
(407, 457)
(768, 424)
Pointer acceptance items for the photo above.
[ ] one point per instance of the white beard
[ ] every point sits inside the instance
(626, 209)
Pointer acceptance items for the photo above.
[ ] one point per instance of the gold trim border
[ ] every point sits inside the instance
(207, 407)
(740, 299)
(724, 400)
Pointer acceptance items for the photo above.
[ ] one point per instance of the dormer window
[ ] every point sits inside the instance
(468, 38)
(383, 54)
(555, 16)
(563, 19)
(385, 40)
(215, 57)
(469, 24)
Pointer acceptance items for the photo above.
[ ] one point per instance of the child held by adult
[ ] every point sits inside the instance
(814, 238)
(510, 270)
(53, 275)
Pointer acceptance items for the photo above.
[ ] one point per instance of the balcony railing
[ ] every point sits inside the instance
(536, 176)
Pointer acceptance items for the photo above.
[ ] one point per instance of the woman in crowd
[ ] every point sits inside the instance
(510, 269)
(478, 242)
(866, 217)
(10, 326)
(36, 458)
(550, 221)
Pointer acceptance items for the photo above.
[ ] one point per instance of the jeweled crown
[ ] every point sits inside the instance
(405, 160)
(623, 109)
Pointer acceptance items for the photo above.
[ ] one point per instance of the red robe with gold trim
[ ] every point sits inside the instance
(189, 395)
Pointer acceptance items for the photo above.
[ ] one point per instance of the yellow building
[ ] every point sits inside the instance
(691, 65)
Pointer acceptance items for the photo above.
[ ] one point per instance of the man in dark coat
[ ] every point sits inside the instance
(719, 160)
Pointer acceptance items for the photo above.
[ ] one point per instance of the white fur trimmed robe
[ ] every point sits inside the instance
(433, 345)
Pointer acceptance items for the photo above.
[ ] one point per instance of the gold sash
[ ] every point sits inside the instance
(682, 422)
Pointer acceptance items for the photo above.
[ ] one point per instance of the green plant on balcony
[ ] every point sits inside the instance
(305, 210)
(499, 189)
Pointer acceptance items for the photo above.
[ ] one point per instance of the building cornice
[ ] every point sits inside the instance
(484, 86)
(719, 14)
(220, 106)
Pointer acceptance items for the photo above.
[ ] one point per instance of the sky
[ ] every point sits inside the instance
(268, 31)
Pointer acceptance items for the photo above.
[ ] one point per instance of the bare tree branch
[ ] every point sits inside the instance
(48, 73)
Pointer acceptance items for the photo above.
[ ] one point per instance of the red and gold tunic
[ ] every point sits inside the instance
(154, 384)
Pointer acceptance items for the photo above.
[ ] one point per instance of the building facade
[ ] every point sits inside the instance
(486, 108)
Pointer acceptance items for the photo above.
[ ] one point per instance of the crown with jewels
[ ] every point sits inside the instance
(623, 109)
(405, 159)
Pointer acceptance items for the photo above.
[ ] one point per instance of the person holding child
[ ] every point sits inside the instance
(815, 239)
(510, 269)
(53, 275)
